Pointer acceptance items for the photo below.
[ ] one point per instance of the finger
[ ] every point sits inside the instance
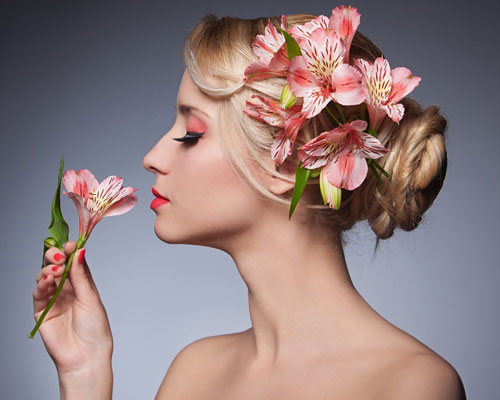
(54, 256)
(81, 278)
(69, 247)
(51, 269)
(42, 293)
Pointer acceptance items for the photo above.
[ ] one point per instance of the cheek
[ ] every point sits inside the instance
(222, 189)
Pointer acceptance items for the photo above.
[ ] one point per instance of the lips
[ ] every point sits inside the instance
(159, 200)
(155, 193)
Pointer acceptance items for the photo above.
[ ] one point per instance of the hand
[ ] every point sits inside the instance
(76, 330)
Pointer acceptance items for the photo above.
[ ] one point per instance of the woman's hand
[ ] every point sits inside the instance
(76, 330)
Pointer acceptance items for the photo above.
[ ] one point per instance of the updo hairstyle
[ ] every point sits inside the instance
(216, 54)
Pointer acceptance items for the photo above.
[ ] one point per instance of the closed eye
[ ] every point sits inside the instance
(190, 137)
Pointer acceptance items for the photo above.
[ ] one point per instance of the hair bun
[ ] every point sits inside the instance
(417, 167)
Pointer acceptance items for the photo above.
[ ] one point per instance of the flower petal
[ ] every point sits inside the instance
(345, 21)
(394, 111)
(281, 148)
(79, 182)
(300, 32)
(323, 52)
(301, 81)
(268, 111)
(126, 203)
(83, 213)
(348, 90)
(347, 170)
(266, 45)
(377, 78)
(371, 146)
(403, 83)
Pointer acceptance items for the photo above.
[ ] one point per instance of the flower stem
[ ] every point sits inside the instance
(341, 112)
(332, 115)
(79, 244)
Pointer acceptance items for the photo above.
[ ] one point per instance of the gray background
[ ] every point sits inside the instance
(97, 82)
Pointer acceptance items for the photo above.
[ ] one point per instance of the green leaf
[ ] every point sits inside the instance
(301, 177)
(292, 47)
(58, 227)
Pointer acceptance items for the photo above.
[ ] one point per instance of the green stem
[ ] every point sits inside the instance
(376, 164)
(363, 111)
(372, 168)
(332, 115)
(372, 132)
(341, 112)
(79, 244)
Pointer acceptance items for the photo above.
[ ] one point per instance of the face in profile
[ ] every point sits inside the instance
(208, 204)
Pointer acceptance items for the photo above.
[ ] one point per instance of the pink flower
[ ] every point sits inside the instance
(271, 50)
(287, 124)
(94, 200)
(320, 75)
(342, 152)
(345, 21)
(300, 32)
(385, 88)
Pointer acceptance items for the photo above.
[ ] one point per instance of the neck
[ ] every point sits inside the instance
(301, 298)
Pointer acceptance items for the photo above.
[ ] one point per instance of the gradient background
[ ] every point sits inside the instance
(96, 81)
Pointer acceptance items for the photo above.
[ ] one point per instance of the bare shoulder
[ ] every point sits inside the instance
(423, 376)
(192, 362)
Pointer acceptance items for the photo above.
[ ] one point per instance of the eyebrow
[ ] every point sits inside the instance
(185, 109)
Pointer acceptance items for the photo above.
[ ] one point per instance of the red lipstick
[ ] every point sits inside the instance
(159, 200)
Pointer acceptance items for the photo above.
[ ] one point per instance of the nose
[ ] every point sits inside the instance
(156, 159)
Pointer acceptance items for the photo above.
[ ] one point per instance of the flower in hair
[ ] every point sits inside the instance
(287, 123)
(385, 88)
(323, 78)
(342, 152)
(271, 50)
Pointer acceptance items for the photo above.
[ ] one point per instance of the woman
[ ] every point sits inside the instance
(226, 181)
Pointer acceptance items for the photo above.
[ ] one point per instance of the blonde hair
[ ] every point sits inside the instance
(219, 49)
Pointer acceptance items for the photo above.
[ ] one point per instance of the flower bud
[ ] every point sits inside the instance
(50, 242)
(287, 98)
(331, 194)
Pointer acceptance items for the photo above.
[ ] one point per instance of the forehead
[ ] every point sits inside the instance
(189, 94)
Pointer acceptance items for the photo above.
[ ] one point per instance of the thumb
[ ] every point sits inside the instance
(81, 278)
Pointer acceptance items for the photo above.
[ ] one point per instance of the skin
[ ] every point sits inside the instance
(312, 334)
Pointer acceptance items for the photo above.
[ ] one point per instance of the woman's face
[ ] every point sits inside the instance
(208, 203)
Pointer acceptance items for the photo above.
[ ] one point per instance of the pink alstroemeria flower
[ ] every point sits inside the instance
(345, 21)
(301, 32)
(94, 200)
(320, 75)
(342, 152)
(287, 123)
(270, 48)
(385, 89)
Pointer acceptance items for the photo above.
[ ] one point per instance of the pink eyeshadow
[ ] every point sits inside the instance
(195, 125)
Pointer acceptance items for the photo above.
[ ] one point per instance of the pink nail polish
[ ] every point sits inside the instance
(45, 277)
(58, 257)
(56, 268)
(81, 255)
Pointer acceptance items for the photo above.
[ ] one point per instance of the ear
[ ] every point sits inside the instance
(279, 185)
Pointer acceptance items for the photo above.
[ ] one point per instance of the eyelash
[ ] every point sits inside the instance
(190, 137)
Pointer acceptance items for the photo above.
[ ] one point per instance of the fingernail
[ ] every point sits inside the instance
(56, 268)
(81, 256)
(45, 277)
(58, 257)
